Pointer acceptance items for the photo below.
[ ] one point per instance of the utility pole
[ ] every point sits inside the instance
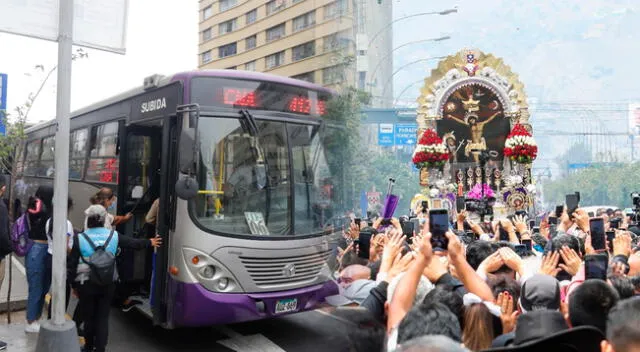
(58, 334)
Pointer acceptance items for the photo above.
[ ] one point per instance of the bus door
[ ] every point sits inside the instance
(139, 187)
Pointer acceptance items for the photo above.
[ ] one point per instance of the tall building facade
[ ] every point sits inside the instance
(304, 39)
(320, 41)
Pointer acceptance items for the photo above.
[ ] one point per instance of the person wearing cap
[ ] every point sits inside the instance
(95, 299)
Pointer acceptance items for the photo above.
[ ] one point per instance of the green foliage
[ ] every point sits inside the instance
(603, 185)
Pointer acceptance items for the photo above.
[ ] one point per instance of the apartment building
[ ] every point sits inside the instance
(320, 41)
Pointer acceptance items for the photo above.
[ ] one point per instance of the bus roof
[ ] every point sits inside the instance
(184, 76)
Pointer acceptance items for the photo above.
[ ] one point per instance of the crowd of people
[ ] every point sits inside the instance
(91, 266)
(483, 292)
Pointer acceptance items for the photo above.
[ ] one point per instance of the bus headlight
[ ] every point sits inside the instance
(223, 284)
(208, 272)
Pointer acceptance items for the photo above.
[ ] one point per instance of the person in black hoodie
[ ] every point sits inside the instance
(5, 241)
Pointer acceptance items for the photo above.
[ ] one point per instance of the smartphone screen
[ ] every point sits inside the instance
(460, 204)
(596, 227)
(553, 220)
(416, 226)
(610, 236)
(407, 228)
(439, 225)
(532, 224)
(357, 221)
(572, 203)
(521, 250)
(528, 244)
(535, 229)
(504, 235)
(559, 210)
(425, 206)
(615, 223)
(595, 266)
(364, 244)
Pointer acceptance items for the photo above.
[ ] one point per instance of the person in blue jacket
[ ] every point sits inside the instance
(95, 299)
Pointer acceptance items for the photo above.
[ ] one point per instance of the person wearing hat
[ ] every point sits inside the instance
(95, 298)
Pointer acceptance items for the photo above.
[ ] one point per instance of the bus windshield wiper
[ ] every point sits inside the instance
(262, 165)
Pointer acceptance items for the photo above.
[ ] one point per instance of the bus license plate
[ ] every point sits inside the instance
(286, 305)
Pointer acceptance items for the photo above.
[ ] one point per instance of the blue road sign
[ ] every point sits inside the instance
(385, 134)
(3, 101)
(405, 134)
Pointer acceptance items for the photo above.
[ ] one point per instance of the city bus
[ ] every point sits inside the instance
(244, 168)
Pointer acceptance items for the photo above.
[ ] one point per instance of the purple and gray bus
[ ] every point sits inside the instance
(247, 173)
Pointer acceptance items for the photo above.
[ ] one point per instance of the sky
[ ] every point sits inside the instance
(162, 37)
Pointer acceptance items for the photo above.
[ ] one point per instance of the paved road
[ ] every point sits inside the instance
(321, 330)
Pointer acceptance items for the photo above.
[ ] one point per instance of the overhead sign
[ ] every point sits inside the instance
(385, 135)
(3, 102)
(97, 24)
(406, 134)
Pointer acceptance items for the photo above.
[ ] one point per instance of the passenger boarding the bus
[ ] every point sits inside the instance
(94, 284)
(107, 199)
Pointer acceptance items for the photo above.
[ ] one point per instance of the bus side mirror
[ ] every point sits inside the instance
(187, 151)
(186, 187)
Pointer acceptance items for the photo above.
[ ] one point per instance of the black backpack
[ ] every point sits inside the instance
(102, 263)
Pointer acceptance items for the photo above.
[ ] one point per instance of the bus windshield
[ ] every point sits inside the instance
(271, 181)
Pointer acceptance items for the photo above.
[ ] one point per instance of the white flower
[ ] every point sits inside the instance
(434, 192)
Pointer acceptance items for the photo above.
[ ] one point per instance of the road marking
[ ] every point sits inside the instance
(250, 343)
(18, 265)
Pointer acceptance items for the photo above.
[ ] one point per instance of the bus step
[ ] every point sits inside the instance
(145, 307)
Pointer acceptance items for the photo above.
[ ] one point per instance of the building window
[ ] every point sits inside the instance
(304, 51)
(207, 12)
(227, 50)
(228, 26)
(275, 60)
(335, 41)
(276, 32)
(252, 16)
(362, 76)
(274, 6)
(304, 21)
(206, 34)
(308, 76)
(250, 66)
(250, 42)
(335, 9)
(227, 4)
(331, 75)
(206, 57)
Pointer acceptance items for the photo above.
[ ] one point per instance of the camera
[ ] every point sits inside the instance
(483, 207)
(635, 199)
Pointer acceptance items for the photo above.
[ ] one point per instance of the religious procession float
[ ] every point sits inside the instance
(474, 136)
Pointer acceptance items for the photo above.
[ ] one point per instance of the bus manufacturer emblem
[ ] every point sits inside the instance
(289, 270)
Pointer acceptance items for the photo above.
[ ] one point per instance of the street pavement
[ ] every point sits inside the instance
(321, 330)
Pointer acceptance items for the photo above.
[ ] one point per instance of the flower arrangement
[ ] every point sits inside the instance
(476, 192)
(520, 146)
(430, 151)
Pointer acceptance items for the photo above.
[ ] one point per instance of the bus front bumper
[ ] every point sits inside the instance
(193, 305)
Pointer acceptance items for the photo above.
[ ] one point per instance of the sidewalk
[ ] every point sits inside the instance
(19, 287)
(14, 335)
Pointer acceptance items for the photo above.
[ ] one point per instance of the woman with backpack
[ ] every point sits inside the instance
(39, 210)
(92, 269)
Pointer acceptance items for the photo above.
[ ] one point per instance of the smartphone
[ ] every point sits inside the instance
(578, 196)
(610, 236)
(439, 225)
(559, 210)
(528, 244)
(504, 235)
(460, 205)
(364, 244)
(521, 250)
(407, 228)
(596, 226)
(532, 223)
(357, 221)
(416, 226)
(535, 229)
(595, 266)
(615, 223)
(572, 203)
(425, 206)
(553, 220)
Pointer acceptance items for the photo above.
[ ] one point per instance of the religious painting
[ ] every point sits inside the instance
(472, 120)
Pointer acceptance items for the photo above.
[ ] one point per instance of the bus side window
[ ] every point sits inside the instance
(77, 153)
(46, 168)
(32, 158)
(103, 161)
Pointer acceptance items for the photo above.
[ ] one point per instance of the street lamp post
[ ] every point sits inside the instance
(390, 79)
(443, 13)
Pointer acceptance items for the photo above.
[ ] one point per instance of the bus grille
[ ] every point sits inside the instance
(269, 272)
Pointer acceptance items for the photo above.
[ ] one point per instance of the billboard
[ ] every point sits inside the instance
(98, 24)
(385, 135)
